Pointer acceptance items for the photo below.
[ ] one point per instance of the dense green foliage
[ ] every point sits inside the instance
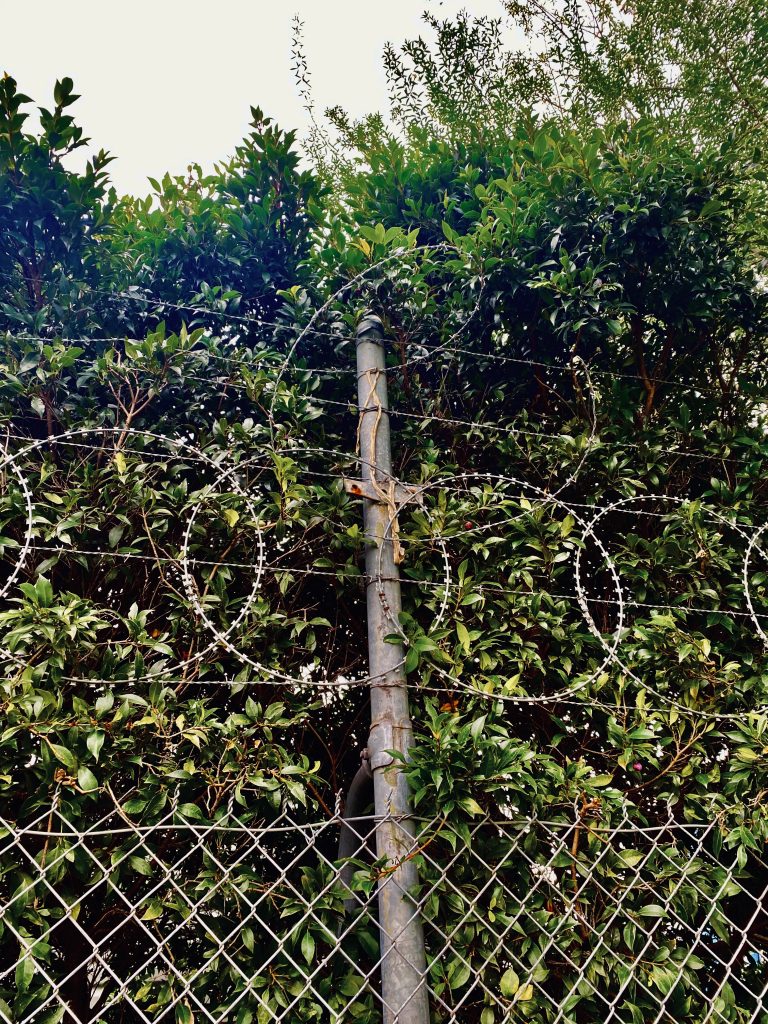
(248, 224)
(52, 220)
(569, 316)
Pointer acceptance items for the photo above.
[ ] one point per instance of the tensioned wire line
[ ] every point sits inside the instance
(313, 398)
(254, 364)
(439, 350)
(430, 354)
(285, 366)
(485, 590)
(514, 822)
(321, 371)
(513, 431)
(622, 705)
(538, 434)
(452, 688)
(509, 430)
(452, 684)
(443, 482)
(394, 368)
(302, 331)
(443, 485)
(147, 300)
(520, 361)
(479, 425)
(489, 589)
(292, 449)
(670, 705)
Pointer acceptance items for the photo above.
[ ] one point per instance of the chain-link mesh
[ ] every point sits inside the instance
(186, 919)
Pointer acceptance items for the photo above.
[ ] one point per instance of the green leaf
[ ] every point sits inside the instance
(140, 865)
(710, 207)
(153, 911)
(630, 857)
(190, 810)
(411, 660)
(308, 947)
(476, 729)
(463, 635)
(94, 742)
(25, 971)
(599, 781)
(458, 974)
(65, 755)
(44, 592)
(184, 1014)
(104, 704)
(652, 910)
(86, 780)
(747, 754)
(509, 983)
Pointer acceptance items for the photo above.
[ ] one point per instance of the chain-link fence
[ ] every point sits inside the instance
(155, 914)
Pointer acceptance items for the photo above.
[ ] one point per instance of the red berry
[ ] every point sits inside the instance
(467, 525)
(637, 766)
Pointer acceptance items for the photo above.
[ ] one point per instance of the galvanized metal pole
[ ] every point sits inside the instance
(403, 960)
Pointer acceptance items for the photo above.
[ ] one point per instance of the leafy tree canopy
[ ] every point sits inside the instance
(694, 69)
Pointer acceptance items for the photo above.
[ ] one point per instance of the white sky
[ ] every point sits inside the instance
(167, 82)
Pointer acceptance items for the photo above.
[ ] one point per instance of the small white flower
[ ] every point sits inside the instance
(545, 872)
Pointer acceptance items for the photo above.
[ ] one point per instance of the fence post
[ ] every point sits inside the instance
(403, 959)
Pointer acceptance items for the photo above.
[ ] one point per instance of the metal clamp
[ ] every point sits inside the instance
(364, 489)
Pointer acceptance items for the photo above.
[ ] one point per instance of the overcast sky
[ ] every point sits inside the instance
(167, 82)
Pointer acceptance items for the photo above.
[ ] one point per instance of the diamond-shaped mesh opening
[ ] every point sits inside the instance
(183, 920)
(584, 922)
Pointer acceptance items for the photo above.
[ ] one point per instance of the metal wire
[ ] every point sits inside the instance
(582, 918)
